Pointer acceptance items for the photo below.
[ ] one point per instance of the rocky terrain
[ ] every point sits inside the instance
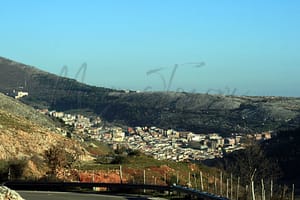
(15, 107)
(8, 194)
(23, 136)
(201, 113)
(21, 130)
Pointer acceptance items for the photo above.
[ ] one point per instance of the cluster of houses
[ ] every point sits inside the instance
(182, 146)
(160, 143)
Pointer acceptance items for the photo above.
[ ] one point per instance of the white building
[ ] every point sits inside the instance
(21, 94)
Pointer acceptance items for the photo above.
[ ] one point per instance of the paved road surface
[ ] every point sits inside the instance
(37, 195)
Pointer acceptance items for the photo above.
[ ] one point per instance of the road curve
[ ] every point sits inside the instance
(38, 195)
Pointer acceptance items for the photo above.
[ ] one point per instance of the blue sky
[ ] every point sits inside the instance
(251, 47)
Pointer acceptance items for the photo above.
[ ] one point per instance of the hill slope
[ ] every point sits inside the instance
(26, 135)
(182, 111)
(15, 107)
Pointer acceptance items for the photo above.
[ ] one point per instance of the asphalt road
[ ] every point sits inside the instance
(37, 195)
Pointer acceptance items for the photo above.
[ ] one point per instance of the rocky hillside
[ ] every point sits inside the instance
(182, 111)
(203, 112)
(15, 107)
(26, 135)
(21, 138)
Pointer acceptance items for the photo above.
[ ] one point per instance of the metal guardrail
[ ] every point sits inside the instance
(66, 185)
(197, 193)
(61, 186)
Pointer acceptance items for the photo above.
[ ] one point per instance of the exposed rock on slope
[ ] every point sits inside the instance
(22, 136)
(22, 133)
(15, 107)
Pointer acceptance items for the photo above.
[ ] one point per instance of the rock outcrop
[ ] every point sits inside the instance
(8, 194)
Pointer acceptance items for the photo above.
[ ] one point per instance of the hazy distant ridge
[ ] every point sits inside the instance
(182, 111)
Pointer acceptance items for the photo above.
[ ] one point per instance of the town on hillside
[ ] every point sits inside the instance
(157, 142)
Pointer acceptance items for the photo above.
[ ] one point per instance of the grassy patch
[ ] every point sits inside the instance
(97, 148)
(10, 121)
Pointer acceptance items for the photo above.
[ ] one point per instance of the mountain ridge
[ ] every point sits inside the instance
(200, 113)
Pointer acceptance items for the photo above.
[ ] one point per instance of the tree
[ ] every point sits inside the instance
(252, 164)
(57, 157)
(172, 180)
(3, 170)
(17, 167)
(12, 169)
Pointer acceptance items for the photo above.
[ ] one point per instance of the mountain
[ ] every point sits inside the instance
(182, 111)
